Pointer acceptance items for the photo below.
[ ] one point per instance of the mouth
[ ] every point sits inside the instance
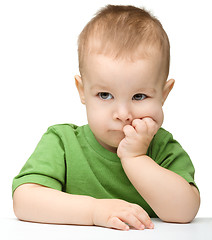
(116, 130)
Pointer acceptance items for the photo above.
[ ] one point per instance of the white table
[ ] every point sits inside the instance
(11, 228)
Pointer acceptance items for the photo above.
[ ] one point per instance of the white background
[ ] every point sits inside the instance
(38, 61)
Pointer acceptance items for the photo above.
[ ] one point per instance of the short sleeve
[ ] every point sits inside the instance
(168, 153)
(46, 166)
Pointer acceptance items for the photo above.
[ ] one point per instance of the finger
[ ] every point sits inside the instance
(129, 131)
(132, 220)
(143, 216)
(146, 220)
(115, 222)
(139, 125)
(151, 125)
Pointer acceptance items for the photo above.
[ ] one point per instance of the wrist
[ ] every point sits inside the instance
(93, 210)
(130, 155)
(133, 158)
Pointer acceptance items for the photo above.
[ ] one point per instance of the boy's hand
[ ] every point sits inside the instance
(116, 213)
(137, 138)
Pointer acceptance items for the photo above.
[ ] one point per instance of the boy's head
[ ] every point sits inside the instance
(124, 64)
(123, 32)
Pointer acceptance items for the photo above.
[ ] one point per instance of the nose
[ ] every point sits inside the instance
(123, 114)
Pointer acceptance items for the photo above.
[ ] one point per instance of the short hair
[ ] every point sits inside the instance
(123, 32)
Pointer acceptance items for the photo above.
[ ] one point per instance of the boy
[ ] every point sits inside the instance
(122, 168)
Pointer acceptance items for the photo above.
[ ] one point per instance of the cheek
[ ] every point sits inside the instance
(96, 115)
(159, 116)
(153, 110)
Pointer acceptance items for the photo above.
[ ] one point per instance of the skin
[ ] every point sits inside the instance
(130, 92)
(121, 82)
(124, 102)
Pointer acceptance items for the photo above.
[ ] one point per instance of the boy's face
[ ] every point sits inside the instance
(116, 92)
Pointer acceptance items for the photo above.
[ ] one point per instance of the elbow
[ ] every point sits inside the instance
(17, 204)
(16, 208)
(178, 219)
(181, 216)
(21, 201)
(184, 215)
(183, 212)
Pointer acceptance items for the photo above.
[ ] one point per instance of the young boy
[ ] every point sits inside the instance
(122, 168)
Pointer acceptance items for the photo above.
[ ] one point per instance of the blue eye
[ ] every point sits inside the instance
(105, 95)
(139, 96)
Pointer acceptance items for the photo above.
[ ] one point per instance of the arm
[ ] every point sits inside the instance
(36, 203)
(170, 196)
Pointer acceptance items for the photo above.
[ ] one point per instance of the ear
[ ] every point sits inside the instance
(80, 88)
(167, 89)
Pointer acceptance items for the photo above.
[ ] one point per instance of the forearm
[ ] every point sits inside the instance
(170, 196)
(41, 204)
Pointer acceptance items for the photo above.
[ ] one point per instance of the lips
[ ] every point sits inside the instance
(115, 130)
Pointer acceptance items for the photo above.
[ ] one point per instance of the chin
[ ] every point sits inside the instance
(112, 141)
(115, 142)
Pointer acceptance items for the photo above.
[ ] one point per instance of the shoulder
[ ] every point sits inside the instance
(64, 129)
(162, 137)
(168, 153)
(65, 133)
(163, 144)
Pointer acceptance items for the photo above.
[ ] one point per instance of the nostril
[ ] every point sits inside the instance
(123, 115)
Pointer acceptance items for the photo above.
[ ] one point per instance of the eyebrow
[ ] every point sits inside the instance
(99, 86)
(149, 90)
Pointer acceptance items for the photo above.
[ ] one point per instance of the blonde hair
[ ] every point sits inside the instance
(123, 32)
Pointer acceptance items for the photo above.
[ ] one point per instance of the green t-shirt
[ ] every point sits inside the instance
(69, 158)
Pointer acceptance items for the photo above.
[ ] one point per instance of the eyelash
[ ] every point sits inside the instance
(100, 94)
(143, 96)
(105, 93)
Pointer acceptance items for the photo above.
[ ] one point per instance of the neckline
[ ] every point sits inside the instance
(97, 147)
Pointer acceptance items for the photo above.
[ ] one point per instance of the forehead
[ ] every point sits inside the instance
(104, 70)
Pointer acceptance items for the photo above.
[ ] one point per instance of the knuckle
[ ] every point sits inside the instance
(136, 223)
(112, 221)
(137, 211)
(146, 217)
(141, 214)
(128, 130)
(128, 215)
(146, 220)
(136, 122)
(137, 207)
(144, 214)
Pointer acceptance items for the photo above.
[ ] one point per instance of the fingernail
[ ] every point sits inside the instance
(127, 228)
(151, 225)
(142, 227)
